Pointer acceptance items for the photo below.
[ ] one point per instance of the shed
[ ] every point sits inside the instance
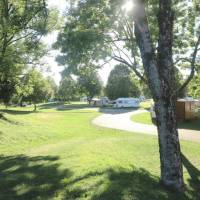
(186, 109)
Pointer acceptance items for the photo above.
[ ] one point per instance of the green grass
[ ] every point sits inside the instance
(145, 118)
(56, 153)
(146, 104)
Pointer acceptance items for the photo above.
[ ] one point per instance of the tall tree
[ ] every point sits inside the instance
(89, 82)
(121, 83)
(151, 39)
(22, 24)
(40, 88)
(67, 89)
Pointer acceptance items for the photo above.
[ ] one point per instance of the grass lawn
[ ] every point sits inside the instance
(56, 153)
(146, 104)
(145, 118)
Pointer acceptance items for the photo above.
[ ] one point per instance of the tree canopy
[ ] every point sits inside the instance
(102, 29)
(38, 88)
(194, 87)
(121, 83)
(89, 82)
(22, 24)
(68, 89)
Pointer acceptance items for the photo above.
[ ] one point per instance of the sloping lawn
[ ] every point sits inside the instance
(145, 118)
(58, 154)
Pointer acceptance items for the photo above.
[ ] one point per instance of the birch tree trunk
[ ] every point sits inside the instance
(160, 74)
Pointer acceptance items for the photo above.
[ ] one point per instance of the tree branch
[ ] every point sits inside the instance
(192, 67)
(123, 61)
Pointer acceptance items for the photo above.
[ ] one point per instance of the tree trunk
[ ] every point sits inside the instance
(170, 153)
(160, 75)
(169, 147)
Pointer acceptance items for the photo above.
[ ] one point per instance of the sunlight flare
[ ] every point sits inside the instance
(128, 6)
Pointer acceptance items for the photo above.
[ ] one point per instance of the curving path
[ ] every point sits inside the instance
(120, 119)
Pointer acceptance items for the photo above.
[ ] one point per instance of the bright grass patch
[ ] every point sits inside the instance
(56, 153)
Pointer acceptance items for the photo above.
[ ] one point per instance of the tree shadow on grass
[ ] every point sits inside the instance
(194, 180)
(30, 178)
(5, 119)
(137, 184)
(16, 112)
(52, 105)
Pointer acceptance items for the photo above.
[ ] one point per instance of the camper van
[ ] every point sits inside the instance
(127, 103)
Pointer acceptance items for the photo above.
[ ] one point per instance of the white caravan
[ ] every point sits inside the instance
(127, 103)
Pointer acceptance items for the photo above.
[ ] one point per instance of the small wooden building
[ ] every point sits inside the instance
(186, 109)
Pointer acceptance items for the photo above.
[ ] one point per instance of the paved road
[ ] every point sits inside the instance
(120, 119)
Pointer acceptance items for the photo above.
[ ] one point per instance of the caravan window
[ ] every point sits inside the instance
(120, 101)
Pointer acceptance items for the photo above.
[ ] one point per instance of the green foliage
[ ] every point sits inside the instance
(101, 29)
(22, 24)
(89, 82)
(121, 83)
(194, 87)
(178, 82)
(40, 89)
(67, 89)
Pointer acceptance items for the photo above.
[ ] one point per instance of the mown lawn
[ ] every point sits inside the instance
(145, 118)
(56, 153)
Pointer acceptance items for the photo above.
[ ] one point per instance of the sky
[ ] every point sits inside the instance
(55, 69)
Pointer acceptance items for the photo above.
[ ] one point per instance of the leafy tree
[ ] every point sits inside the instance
(68, 89)
(194, 87)
(165, 32)
(144, 89)
(22, 24)
(7, 88)
(89, 83)
(24, 88)
(121, 83)
(40, 88)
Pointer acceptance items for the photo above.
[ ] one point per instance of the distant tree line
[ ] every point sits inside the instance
(84, 83)
(123, 83)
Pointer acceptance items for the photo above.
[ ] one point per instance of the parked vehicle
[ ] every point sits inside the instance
(103, 101)
(127, 103)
